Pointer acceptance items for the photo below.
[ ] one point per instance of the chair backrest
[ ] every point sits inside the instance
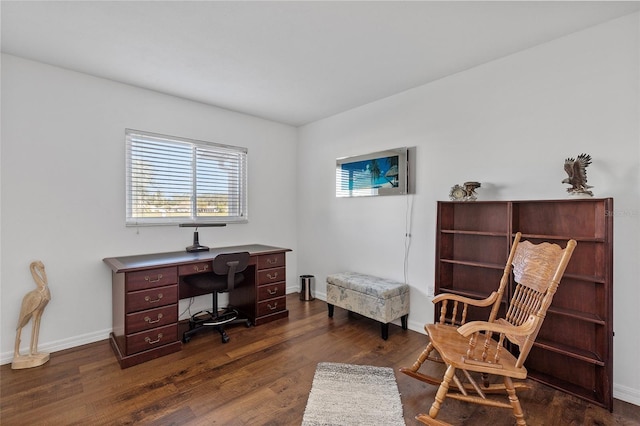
(537, 271)
(230, 264)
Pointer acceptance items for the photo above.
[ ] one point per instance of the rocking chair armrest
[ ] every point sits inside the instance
(490, 300)
(524, 329)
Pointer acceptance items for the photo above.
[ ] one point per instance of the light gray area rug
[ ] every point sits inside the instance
(348, 395)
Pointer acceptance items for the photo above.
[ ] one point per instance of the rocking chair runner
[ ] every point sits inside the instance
(478, 346)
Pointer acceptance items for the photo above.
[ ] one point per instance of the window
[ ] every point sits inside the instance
(173, 180)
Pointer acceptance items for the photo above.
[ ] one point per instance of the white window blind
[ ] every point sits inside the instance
(173, 180)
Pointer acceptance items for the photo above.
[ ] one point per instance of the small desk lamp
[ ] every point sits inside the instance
(196, 246)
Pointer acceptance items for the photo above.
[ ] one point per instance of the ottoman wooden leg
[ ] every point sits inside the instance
(404, 319)
(385, 330)
(330, 307)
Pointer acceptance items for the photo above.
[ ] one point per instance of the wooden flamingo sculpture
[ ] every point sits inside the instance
(33, 305)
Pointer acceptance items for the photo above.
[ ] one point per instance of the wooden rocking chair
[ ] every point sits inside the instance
(478, 346)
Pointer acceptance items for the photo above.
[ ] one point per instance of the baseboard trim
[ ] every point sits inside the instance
(626, 394)
(59, 345)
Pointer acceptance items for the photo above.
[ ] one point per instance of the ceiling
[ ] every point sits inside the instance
(292, 62)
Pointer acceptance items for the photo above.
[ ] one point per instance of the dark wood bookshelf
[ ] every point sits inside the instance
(574, 350)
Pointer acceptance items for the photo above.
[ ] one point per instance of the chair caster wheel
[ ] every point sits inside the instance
(248, 323)
(225, 339)
(186, 339)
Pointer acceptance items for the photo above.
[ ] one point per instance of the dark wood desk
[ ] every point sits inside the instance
(146, 289)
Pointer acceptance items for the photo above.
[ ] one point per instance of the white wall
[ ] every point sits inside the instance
(63, 191)
(508, 124)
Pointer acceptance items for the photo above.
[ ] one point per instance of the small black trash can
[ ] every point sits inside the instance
(306, 287)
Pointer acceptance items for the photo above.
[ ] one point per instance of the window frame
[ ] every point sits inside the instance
(203, 155)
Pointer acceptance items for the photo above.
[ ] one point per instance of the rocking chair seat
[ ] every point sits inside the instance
(449, 343)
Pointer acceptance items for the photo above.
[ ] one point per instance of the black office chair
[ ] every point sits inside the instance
(226, 275)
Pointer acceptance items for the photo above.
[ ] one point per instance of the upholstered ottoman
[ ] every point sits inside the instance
(376, 298)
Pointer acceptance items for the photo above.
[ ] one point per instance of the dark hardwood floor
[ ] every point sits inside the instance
(261, 377)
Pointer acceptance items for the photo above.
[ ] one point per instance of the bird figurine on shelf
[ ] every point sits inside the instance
(576, 169)
(32, 308)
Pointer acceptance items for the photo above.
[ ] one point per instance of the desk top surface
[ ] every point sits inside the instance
(145, 261)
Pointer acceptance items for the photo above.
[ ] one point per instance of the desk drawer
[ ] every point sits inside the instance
(274, 260)
(271, 291)
(152, 318)
(151, 278)
(152, 338)
(272, 306)
(152, 298)
(269, 276)
(194, 268)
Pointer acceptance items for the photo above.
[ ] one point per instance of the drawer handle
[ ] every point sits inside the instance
(275, 275)
(274, 307)
(148, 299)
(275, 291)
(272, 261)
(150, 321)
(153, 342)
(153, 280)
(197, 268)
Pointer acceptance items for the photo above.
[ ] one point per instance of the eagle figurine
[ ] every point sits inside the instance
(576, 169)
